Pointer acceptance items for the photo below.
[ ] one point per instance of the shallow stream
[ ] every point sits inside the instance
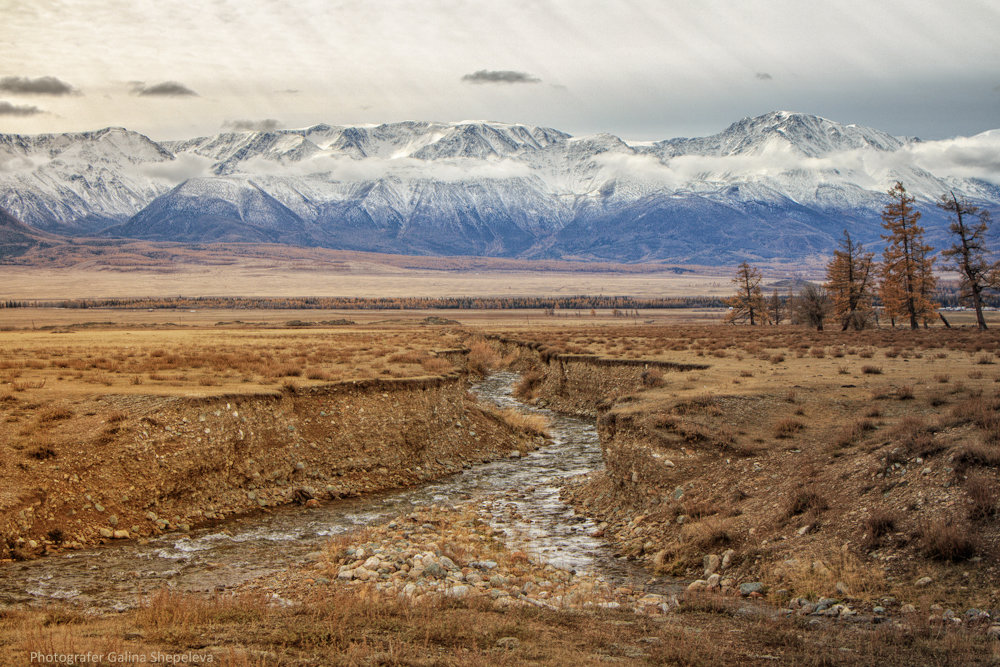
(232, 552)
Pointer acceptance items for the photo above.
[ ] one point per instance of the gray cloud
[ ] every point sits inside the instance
(763, 76)
(8, 109)
(252, 125)
(499, 76)
(43, 85)
(165, 89)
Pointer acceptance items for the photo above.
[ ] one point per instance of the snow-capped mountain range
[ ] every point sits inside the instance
(778, 186)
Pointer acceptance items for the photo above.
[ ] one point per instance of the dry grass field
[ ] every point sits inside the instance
(852, 465)
(75, 362)
(110, 268)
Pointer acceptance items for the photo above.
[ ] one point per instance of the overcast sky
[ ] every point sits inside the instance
(639, 69)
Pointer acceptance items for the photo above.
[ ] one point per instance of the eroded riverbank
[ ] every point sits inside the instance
(520, 492)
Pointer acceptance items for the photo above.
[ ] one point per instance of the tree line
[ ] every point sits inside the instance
(582, 302)
(900, 288)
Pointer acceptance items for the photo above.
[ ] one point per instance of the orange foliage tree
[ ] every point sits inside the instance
(907, 266)
(849, 281)
(747, 305)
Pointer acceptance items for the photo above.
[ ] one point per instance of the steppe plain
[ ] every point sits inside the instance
(850, 477)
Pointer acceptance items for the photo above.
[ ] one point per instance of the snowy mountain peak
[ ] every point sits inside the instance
(803, 134)
(755, 189)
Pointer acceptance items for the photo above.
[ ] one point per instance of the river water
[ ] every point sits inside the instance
(523, 495)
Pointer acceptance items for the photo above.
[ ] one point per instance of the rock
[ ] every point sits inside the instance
(448, 563)
(514, 454)
(508, 643)
(484, 564)
(727, 558)
(713, 581)
(711, 562)
(842, 588)
(460, 591)
(113, 520)
(878, 610)
(804, 529)
(106, 532)
(121, 534)
(312, 502)
(347, 575)
(373, 563)
(993, 631)
(908, 609)
(697, 585)
(923, 581)
(435, 570)
(751, 587)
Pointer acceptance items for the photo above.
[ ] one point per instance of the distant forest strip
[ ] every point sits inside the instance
(379, 303)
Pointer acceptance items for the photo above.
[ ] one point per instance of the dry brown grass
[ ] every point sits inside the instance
(947, 540)
(354, 627)
(788, 427)
(483, 357)
(522, 421)
(816, 574)
(173, 360)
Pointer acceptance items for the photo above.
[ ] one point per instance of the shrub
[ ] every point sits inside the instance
(982, 497)
(528, 384)
(786, 428)
(916, 437)
(878, 524)
(854, 431)
(54, 414)
(482, 358)
(947, 541)
(805, 500)
(652, 378)
(42, 453)
(871, 370)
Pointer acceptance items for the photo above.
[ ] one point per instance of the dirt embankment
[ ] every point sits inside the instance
(810, 483)
(133, 466)
(582, 384)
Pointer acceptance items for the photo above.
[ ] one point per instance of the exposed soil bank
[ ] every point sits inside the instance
(775, 491)
(583, 384)
(138, 465)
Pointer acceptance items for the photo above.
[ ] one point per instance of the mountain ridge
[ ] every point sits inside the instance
(777, 186)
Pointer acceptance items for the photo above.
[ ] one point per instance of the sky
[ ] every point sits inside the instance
(639, 69)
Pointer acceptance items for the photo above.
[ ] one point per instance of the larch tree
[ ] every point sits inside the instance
(812, 306)
(969, 255)
(849, 282)
(907, 267)
(775, 308)
(747, 305)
